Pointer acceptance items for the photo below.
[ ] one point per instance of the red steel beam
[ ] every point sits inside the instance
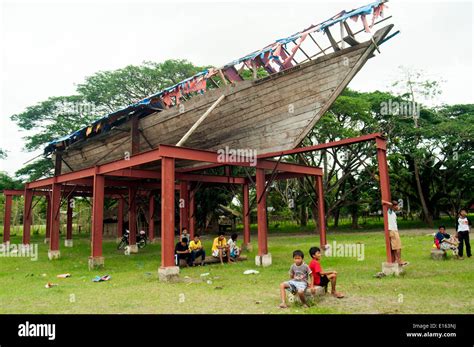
(183, 206)
(167, 212)
(132, 216)
(192, 213)
(151, 223)
(7, 218)
(48, 218)
(246, 214)
(121, 204)
(261, 212)
(385, 193)
(55, 217)
(69, 211)
(27, 216)
(344, 142)
(97, 216)
(321, 213)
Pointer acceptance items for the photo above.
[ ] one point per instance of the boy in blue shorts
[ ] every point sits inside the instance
(300, 274)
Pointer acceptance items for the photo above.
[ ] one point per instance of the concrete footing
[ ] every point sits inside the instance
(68, 243)
(263, 260)
(96, 262)
(54, 254)
(133, 249)
(168, 274)
(391, 269)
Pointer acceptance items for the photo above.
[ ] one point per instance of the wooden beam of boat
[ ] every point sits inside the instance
(200, 120)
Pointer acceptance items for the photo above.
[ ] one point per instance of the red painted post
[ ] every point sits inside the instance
(192, 213)
(167, 211)
(183, 206)
(96, 258)
(132, 218)
(70, 203)
(7, 218)
(385, 191)
(48, 218)
(246, 214)
(55, 221)
(261, 212)
(120, 218)
(151, 224)
(321, 212)
(27, 213)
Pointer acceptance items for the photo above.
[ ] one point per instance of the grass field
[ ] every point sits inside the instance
(427, 286)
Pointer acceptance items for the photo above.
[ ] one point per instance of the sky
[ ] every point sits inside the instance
(48, 47)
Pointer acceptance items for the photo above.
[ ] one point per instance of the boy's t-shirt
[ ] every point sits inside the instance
(463, 224)
(232, 244)
(316, 270)
(440, 236)
(392, 220)
(193, 246)
(180, 248)
(300, 272)
(218, 243)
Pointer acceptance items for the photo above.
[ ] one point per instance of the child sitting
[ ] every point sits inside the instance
(233, 248)
(444, 241)
(320, 277)
(299, 276)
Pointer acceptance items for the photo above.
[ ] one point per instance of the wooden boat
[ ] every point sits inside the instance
(266, 115)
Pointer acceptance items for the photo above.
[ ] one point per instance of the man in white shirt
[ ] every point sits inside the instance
(395, 242)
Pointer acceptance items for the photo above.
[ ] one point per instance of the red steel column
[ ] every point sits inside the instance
(96, 258)
(151, 224)
(321, 212)
(70, 203)
(7, 219)
(120, 218)
(27, 216)
(55, 221)
(261, 212)
(132, 217)
(246, 214)
(48, 218)
(192, 213)
(385, 191)
(183, 206)
(167, 211)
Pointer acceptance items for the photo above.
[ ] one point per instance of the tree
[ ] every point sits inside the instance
(414, 86)
(100, 94)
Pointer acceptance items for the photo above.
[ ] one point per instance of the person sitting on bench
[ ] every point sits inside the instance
(181, 251)
(443, 241)
(320, 277)
(220, 248)
(234, 249)
(196, 249)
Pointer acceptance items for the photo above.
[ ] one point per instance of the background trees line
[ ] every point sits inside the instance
(430, 151)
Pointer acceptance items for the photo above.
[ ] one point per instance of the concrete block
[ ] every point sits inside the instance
(168, 274)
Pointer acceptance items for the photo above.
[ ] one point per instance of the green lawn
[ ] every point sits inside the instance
(426, 287)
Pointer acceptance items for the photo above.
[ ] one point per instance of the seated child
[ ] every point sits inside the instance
(220, 248)
(444, 241)
(233, 248)
(320, 277)
(299, 276)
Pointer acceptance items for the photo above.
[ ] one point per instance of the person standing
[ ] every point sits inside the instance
(395, 242)
(463, 225)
